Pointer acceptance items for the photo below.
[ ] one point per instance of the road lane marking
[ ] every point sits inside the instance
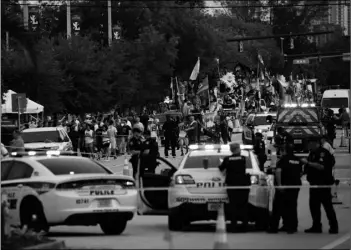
(337, 242)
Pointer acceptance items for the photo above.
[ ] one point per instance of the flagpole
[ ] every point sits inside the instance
(258, 86)
(178, 94)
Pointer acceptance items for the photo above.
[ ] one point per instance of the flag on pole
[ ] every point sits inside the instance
(196, 70)
(260, 59)
(203, 86)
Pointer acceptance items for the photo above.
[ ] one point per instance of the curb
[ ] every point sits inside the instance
(50, 245)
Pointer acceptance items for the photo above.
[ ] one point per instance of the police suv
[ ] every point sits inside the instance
(256, 122)
(46, 189)
(195, 190)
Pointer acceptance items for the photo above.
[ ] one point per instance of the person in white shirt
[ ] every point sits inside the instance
(112, 134)
(152, 127)
(89, 141)
(139, 125)
(4, 152)
(326, 145)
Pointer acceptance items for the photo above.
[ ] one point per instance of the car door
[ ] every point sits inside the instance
(13, 176)
(155, 202)
(248, 130)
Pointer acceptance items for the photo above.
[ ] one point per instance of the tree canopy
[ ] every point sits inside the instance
(159, 40)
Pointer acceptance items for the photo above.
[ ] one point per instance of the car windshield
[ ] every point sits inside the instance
(335, 102)
(212, 161)
(41, 136)
(261, 120)
(65, 166)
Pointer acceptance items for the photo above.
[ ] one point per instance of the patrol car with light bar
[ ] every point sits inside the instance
(195, 190)
(46, 189)
(302, 122)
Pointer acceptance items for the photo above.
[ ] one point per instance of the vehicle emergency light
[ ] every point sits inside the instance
(184, 179)
(40, 153)
(303, 105)
(217, 147)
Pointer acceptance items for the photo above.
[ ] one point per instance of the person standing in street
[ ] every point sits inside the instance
(288, 173)
(149, 154)
(17, 144)
(170, 132)
(89, 141)
(124, 132)
(260, 150)
(193, 130)
(135, 146)
(319, 170)
(224, 130)
(235, 169)
(138, 125)
(112, 134)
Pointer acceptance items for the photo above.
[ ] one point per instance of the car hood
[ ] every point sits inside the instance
(263, 128)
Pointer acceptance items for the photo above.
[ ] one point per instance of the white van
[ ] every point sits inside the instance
(335, 99)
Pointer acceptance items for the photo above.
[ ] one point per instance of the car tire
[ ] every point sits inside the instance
(113, 226)
(175, 220)
(31, 207)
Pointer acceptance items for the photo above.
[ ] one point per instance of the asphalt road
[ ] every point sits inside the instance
(148, 232)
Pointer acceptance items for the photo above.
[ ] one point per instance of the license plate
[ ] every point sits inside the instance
(214, 206)
(298, 141)
(105, 203)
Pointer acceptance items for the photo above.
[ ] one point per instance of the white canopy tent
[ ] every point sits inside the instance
(32, 107)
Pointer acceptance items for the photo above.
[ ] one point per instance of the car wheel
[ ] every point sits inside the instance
(175, 220)
(32, 215)
(113, 226)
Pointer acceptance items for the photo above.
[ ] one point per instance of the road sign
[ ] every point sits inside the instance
(301, 61)
(346, 57)
(19, 100)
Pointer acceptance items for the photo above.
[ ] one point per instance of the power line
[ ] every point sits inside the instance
(185, 7)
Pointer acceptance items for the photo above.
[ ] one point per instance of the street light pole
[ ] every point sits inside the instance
(109, 22)
(69, 24)
(19, 112)
(282, 45)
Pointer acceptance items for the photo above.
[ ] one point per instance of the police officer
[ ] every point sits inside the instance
(149, 154)
(319, 168)
(281, 139)
(235, 167)
(135, 146)
(170, 129)
(288, 173)
(260, 150)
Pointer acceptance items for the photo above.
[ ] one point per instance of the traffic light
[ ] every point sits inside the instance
(241, 46)
(292, 46)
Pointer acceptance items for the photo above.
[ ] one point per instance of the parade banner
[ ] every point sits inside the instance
(76, 23)
(33, 16)
(117, 32)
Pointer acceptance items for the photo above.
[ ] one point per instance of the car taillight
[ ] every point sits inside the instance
(184, 180)
(128, 184)
(41, 187)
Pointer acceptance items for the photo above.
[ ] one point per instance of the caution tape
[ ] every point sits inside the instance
(116, 190)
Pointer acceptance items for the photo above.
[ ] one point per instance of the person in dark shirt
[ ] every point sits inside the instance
(288, 173)
(235, 168)
(193, 130)
(330, 127)
(124, 132)
(135, 146)
(260, 150)
(224, 130)
(281, 139)
(170, 129)
(98, 138)
(319, 170)
(149, 154)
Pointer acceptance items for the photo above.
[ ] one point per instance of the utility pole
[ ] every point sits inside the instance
(25, 14)
(7, 41)
(109, 22)
(69, 24)
(282, 45)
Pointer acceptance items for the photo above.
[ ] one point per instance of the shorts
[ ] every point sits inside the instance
(113, 144)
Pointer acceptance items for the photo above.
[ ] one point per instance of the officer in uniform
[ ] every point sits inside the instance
(288, 173)
(281, 139)
(149, 154)
(260, 150)
(235, 167)
(135, 146)
(319, 170)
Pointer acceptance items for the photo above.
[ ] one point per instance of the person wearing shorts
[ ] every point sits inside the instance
(105, 143)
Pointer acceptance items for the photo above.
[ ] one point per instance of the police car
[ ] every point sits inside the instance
(46, 189)
(256, 122)
(48, 138)
(194, 191)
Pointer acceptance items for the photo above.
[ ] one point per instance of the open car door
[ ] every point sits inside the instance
(155, 202)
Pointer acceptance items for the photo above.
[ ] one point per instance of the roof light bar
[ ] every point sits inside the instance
(217, 146)
(303, 105)
(39, 153)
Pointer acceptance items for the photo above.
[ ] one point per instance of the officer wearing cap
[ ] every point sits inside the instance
(135, 146)
(288, 173)
(260, 150)
(235, 169)
(319, 170)
(149, 154)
